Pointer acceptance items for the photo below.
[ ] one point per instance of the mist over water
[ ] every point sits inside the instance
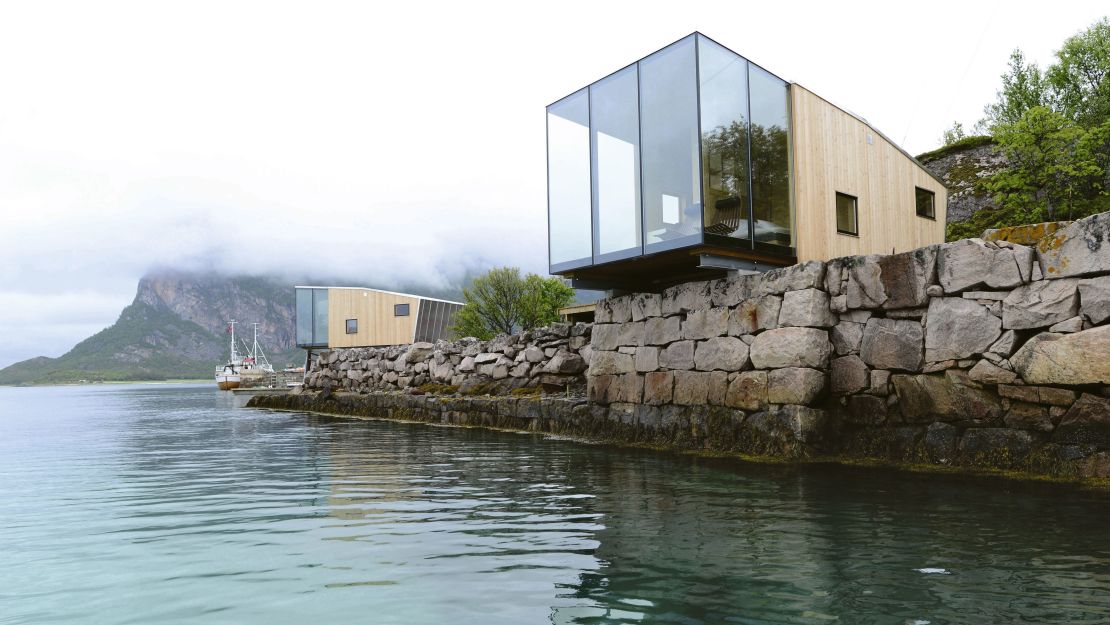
(170, 504)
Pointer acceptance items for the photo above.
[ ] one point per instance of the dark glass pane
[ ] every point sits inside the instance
(925, 199)
(568, 179)
(615, 160)
(669, 145)
(846, 214)
(320, 313)
(724, 144)
(400, 310)
(304, 316)
(770, 153)
(352, 326)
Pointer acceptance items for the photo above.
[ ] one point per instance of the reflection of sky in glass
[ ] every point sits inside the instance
(616, 193)
(568, 149)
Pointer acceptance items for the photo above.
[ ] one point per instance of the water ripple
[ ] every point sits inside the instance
(154, 505)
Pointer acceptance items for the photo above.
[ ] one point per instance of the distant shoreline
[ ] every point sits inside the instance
(117, 382)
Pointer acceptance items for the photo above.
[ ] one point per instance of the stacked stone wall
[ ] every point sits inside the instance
(975, 353)
(550, 358)
(969, 353)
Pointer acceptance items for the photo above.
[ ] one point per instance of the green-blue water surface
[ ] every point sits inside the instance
(172, 504)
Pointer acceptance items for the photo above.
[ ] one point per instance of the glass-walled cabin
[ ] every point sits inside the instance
(686, 150)
(312, 317)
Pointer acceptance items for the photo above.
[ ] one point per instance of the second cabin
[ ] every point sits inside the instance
(329, 317)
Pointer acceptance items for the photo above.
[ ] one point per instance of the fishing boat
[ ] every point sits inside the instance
(253, 369)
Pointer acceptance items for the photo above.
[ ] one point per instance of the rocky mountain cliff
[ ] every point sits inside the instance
(961, 166)
(175, 328)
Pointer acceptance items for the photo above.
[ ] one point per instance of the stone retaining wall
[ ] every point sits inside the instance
(974, 353)
(554, 357)
(969, 352)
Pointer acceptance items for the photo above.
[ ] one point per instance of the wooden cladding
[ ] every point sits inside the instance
(377, 324)
(382, 318)
(835, 151)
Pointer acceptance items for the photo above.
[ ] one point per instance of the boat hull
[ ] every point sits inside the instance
(227, 381)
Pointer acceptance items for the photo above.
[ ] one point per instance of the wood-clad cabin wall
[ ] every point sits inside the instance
(831, 154)
(377, 324)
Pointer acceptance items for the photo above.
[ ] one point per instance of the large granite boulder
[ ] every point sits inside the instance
(969, 263)
(906, 276)
(865, 284)
(645, 305)
(704, 324)
(893, 344)
(1087, 422)
(806, 308)
(722, 353)
(1081, 248)
(791, 347)
(678, 355)
(849, 375)
(1079, 358)
(729, 292)
(686, 297)
(846, 337)
(794, 385)
(660, 330)
(931, 397)
(1040, 304)
(565, 363)
(958, 328)
(691, 388)
(808, 275)
(748, 391)
(1094, 299)
(613, 310)
(609, 363)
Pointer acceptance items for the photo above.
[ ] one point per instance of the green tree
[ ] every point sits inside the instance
(953, 134)
(1054, 166)
(502, 301)
(1023, 87)
(1080, 78)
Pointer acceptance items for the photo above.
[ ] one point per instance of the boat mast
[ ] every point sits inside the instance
(232, 355)
(257, 353)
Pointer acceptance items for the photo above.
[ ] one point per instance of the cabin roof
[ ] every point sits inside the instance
(366, 288)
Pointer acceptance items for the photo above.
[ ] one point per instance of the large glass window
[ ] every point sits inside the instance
(320, 321)
(304, 317)
(724, 142)
(312, 317)
(615, 162)
(669, 146)
(772, 205)
(568, 180)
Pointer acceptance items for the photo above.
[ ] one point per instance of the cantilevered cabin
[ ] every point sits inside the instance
(694, 161)
(330, 317)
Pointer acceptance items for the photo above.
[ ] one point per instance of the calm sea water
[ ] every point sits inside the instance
(171, 504)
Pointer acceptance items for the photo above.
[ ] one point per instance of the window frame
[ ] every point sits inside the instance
(347, 326)
(932, 203)
(397, 308)
(855, 213)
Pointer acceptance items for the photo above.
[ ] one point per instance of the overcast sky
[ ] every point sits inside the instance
(399, 142)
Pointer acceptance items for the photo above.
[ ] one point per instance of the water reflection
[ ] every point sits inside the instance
(168, 505)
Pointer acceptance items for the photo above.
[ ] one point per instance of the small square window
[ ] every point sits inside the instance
(926, 200)
(400, 310)
(847, 214)
(352, 326)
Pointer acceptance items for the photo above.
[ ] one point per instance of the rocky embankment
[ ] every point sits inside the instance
(973, 354)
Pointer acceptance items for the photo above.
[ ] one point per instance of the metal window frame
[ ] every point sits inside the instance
(932, 216)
